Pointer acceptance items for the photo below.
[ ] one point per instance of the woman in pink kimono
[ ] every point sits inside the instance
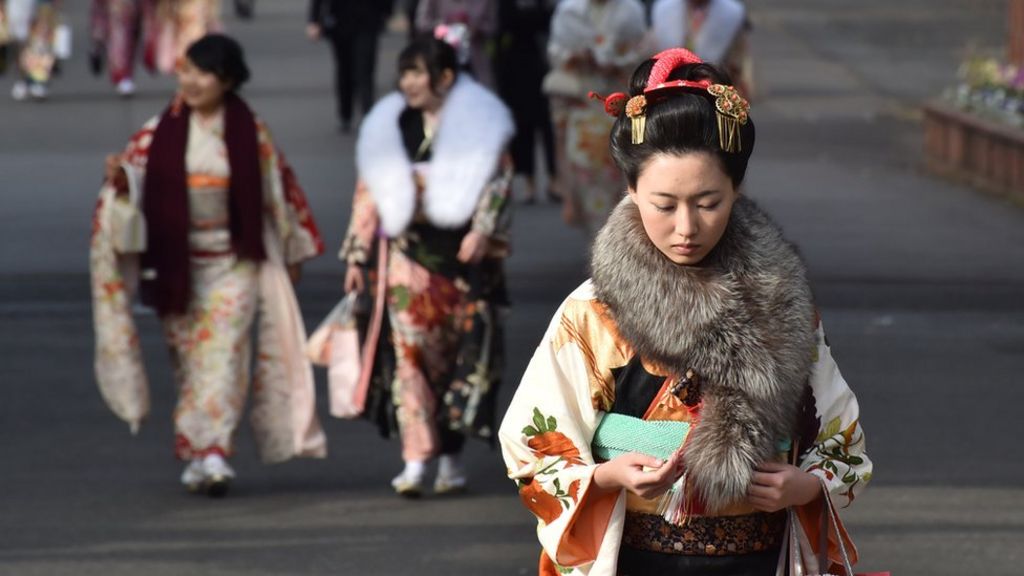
(115, 33)
(224, 220)
(171, 26)
(428, 213)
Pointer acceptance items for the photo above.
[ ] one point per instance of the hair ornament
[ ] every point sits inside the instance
(636, 111)
(455, 35)
(733, 111)
(614, 103)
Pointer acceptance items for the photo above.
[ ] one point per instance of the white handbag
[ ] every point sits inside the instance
(127, 222)
(62, 41)
(335, 344)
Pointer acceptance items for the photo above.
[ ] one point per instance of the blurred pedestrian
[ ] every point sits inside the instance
(115, 27)
(245, 9)
(353, 28)
(716, 30)
(593, 46)
(171, 26)
(521, 67)
(226, 227)
(685, 396)
(430, 212)
(480, 18)
(32, 31)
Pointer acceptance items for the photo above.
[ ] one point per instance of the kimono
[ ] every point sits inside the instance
(171, 26)
(114, 26)
(718, 35)
(227, 295)
(439, 351)
(33, 23)
(613, 32)
(743, 362)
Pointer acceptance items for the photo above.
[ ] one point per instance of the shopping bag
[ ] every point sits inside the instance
(798, 558)
(127, 222)
(62, 41)
(335, 344)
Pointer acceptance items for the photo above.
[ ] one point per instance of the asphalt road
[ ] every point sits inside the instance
(920, 283)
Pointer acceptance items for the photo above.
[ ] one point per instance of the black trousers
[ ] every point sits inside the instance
(355, 61)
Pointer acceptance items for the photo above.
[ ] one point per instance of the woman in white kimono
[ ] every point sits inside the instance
(715, 30)
(593, 46)
(654, 429)
(224, 218)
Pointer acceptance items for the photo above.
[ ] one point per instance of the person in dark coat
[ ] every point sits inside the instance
(522, 64)
(353, 27)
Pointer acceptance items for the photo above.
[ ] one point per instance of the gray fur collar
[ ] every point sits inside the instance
(743, 320)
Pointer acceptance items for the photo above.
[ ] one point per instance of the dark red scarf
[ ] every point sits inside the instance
(165, 202)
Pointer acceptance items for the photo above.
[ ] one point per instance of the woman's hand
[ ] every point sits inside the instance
(353, 279)
(295, 272)
(313, 31)
(645, 476)
(114, 173)
(776, 486)
(473, 248)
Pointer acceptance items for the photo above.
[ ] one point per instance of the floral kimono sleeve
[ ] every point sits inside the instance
(491, 216)
(355, 249)
(545, 440)
(838, 455)
(286, 204)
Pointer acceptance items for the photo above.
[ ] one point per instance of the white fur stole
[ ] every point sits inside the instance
(472, 133)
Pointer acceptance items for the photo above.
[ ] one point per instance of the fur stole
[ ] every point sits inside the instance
(743, 320)
(473, 129)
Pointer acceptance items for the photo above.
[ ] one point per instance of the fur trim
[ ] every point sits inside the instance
(743, 320)
(473, 130)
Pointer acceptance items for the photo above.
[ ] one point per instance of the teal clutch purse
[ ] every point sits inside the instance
(620, 434)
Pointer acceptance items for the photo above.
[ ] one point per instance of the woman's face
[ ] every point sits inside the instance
(202, 90)
(415, 86)
(685, 201)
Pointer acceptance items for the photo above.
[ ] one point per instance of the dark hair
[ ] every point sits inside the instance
(678, 121)
(222, 56)
(437, 56)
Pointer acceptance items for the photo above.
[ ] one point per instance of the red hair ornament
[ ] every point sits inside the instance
(733, 110)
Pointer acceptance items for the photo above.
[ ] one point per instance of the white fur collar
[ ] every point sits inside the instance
(473, 130)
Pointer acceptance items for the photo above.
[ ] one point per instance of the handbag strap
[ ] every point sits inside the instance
(830, 521)
(370, 346)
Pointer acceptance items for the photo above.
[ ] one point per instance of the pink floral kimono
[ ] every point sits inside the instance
(440, 356)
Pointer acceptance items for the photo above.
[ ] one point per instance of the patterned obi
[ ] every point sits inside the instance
(705, 535)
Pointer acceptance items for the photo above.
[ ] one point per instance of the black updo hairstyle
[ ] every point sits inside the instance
(678, 121)
(221, 56)
(437, 56)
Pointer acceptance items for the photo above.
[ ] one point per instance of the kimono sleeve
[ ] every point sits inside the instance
(545, 441)
(286, 204)
(838, 455)
(136, 154)
(491, 216)
(355, 249)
